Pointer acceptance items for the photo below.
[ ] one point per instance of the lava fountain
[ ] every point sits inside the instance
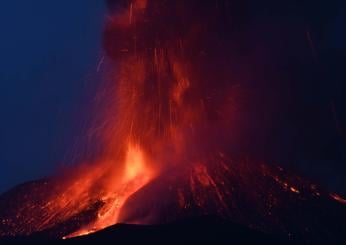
(167, 122)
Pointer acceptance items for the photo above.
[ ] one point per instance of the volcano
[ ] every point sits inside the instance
(167, 118)
(272, 201)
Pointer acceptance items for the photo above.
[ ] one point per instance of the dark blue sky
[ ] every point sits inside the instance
(49, 52)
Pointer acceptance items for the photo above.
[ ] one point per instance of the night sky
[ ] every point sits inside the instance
(49, 55)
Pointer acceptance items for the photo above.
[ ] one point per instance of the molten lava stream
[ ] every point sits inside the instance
(117, 189)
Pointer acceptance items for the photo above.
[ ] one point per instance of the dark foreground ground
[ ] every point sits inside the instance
(203, 230)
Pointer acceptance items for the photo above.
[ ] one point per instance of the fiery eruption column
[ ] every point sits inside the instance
(165, 112)
(167, 119)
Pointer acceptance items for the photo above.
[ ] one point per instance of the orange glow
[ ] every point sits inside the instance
(117, 188)
(135, 163)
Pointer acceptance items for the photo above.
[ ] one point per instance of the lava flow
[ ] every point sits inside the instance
(168, 119)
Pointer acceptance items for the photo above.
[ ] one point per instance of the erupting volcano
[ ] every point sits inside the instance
(168, 118)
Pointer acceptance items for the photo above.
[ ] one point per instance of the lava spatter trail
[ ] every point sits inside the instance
(171, 111)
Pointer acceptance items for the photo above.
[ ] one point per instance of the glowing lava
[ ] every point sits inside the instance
(118, 188)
